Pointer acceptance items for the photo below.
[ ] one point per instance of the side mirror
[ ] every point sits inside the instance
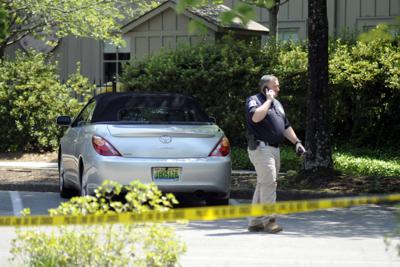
(64, 120)
(213, 119)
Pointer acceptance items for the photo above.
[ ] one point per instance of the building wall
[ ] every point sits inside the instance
(85, 50)
(69, 51)
(342, 14)
(166, 31)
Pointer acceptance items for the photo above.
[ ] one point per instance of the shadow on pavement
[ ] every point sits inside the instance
(357, 222)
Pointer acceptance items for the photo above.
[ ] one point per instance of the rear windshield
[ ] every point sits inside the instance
(149, 109)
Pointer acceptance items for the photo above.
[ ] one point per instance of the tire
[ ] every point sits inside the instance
(217, 202)
(65, 192)
(83, 189)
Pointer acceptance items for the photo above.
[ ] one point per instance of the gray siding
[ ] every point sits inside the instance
(342, 14)
(166, 30)
(87, 51)
(69, 51)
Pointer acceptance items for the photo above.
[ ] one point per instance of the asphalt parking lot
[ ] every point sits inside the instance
(334, 237)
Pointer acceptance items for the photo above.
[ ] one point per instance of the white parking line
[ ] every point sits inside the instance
(29, 165)
(16, 202)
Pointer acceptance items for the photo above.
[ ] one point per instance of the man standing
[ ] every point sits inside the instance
(267, 127)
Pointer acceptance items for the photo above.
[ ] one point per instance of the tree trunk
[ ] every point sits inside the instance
(273, 21)
(2, 51)
(318, 160)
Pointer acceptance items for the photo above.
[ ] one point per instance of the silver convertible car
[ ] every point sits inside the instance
(154, 137)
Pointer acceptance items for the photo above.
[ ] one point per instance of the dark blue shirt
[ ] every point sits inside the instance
(272, 127)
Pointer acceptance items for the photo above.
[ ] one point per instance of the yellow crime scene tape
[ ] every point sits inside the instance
(201, 213)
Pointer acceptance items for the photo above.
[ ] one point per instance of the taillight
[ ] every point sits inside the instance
(103, 147)
(222, 149)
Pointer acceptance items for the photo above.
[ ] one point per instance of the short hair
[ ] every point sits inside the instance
(266, 79)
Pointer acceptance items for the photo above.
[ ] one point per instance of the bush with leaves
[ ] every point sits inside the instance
(291, 69)
(366, 92)
(289, 159)
(364, 82)
(80, 85)
(135, 244)
(31, 98)
(220, 76)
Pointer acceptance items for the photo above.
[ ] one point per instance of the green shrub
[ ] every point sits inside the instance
(364, 82)
(289, 159)
(31, 97)
(291, 69)
(220, 76)
(366, 92)
(103, 245)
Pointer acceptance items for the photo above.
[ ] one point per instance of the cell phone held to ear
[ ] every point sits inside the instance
(269, 91)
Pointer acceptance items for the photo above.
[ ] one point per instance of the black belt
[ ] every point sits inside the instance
(267, 144)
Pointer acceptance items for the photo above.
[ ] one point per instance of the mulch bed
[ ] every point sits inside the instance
(29, 180)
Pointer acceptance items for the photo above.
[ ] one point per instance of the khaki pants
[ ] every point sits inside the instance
(266, 161)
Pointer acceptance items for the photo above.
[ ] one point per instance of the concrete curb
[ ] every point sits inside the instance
(28, 165)
(284, 195)
(245, 192)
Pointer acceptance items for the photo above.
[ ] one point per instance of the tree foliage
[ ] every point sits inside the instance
(98, 19)
(240, 13)
(273, 8)
(381, 31)
(31, 98)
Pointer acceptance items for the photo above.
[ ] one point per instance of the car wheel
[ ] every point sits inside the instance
(65, 192)
(217, 201)
(84, 191)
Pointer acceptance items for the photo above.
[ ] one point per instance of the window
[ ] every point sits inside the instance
(114, 59)
(155, 114)
(288, 34)
(149, 108)
(85, 116)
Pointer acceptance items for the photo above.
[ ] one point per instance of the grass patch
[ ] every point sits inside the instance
(347, 160)
(366, 161)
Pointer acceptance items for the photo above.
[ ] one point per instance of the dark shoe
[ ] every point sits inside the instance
(272, 227)
(256, 228)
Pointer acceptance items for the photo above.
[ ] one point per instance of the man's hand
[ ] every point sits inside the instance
(300, 150)
(270, 94)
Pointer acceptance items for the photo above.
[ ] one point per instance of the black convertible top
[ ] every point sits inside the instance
(109, 105)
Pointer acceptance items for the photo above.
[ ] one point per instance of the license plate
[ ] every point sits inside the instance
(166, 173)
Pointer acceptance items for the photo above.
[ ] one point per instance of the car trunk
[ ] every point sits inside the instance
(164, 141)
